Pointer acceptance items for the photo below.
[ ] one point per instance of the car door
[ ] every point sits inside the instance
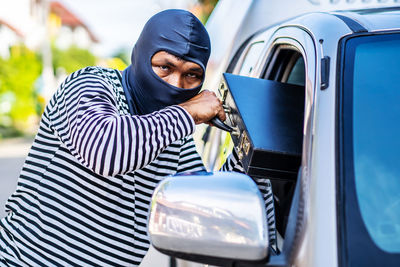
(286, 55)
(289, 55)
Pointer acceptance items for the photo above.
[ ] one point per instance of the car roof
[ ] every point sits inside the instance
(375, 19)
(333, 25)
(260, 16)
(371, 20)
(342, 22)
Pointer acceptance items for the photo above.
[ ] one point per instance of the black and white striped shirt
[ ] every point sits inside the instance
(84, 191)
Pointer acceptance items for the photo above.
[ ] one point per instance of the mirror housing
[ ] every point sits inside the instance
(209, 217)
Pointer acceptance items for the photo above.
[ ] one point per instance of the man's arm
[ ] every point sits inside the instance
(84, 115)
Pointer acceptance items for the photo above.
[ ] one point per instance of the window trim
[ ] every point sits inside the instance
(245, 52)
(302, 41)
(297, 221)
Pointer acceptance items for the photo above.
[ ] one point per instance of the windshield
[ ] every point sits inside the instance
(370, 165)
(376, 137)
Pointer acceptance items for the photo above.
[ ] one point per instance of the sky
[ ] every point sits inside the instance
(118, 23)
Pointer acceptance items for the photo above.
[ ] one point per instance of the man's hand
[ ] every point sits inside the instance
(204, 106)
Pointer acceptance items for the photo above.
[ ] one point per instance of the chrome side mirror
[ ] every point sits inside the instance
(211, 215)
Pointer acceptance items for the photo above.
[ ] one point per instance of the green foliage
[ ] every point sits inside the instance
(72, 59)
(207, 7)
(123, 55)
(115, 63)
(18, 98)
(20, 103)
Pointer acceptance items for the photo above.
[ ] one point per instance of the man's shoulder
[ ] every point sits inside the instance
(97, 77)
(96, 71)
(110, 78)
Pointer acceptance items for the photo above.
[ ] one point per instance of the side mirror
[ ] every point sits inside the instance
(209, 217)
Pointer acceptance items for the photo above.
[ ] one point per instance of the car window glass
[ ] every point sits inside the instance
(297, 74)
(376, 96)
(286, 66)
(251, 57)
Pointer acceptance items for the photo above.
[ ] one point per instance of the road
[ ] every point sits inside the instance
(12, 156)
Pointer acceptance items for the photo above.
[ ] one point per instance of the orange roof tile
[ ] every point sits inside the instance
(69, 19)
(19, 33)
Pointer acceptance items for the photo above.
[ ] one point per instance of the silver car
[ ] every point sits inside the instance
(343, 209)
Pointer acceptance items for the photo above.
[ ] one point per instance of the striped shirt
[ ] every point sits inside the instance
(84, 191)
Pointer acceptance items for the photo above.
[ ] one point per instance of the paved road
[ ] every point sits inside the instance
(12, 156)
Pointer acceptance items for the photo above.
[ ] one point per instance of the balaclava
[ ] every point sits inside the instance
(177, 32)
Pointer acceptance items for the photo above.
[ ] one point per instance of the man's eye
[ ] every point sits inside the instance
(164, 67)
(193, 76)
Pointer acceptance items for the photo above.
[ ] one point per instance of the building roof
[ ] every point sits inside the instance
(70, 19)
(8, 25)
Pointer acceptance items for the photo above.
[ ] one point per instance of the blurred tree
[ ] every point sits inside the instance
(204, 9)
(72, 59)
(115, 63)
(18, 98)
(123, 55)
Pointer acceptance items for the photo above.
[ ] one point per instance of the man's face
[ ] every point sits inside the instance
(176, 71)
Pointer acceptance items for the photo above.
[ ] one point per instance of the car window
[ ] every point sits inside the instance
(251, 57)
(376, 109)
(369, 163)
(286, 66)
(296, 74)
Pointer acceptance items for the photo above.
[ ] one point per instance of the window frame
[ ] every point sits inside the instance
(299, 38)
(257, 38)
(245, 55)
(302, 41)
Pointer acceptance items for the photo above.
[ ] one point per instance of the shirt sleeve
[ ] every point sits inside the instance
(84, 115)
(189, 159)
(232, 163)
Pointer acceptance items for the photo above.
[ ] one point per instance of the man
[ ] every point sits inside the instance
(105, 141)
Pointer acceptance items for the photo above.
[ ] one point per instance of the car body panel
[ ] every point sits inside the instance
(316, 36)
(318, 243)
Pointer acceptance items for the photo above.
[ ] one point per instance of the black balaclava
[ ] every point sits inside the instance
(177, 32)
